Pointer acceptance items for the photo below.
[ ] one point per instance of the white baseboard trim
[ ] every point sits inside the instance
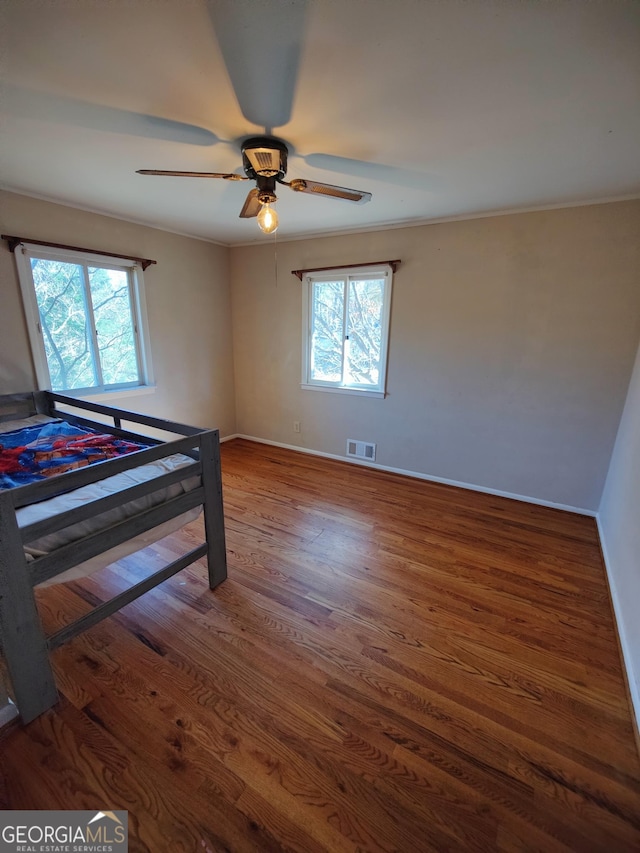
(627, 657)
(416, 475)
(229, 437)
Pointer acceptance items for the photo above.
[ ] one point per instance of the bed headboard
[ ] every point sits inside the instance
(16, 406)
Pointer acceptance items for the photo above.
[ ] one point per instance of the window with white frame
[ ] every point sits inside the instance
(86, 318)
(346, 329)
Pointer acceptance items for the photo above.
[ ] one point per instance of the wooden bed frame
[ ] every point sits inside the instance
(22, 640)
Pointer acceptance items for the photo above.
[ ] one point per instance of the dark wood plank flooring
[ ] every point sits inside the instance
(391, 665)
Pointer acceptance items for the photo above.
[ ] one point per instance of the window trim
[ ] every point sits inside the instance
(345, 274)
(23, 254)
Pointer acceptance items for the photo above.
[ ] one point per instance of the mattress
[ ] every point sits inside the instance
(110, 485)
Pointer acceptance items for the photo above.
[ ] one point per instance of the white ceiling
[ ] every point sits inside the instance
(439, 108)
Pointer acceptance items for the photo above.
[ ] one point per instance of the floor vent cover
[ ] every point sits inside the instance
(361, 449)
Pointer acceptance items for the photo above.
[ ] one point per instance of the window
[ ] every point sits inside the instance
(86, 319)
(346, 330)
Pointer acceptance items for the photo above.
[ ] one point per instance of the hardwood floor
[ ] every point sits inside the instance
(391, 665)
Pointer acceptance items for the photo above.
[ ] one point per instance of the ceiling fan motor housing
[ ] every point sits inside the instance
(264, 157)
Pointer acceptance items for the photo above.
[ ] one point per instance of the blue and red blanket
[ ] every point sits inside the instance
(40, 451)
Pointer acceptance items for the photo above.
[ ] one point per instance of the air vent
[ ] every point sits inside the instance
(361, 449)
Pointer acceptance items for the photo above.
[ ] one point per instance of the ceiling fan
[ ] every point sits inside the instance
(264, 160)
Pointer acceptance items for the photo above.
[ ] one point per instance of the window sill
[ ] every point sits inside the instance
(104, 396)
(355, 392)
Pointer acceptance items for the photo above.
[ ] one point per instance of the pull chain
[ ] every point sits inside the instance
(275, 255)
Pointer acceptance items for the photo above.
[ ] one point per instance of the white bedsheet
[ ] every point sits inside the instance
(48, 508)
(10, 426)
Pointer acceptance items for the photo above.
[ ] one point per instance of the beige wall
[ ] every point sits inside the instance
(619, 520)
(512, 344)
(188, 305)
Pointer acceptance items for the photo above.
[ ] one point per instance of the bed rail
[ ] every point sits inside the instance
(46, 526)
(50, 399)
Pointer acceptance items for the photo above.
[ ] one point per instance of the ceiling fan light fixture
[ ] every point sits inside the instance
(267, 219)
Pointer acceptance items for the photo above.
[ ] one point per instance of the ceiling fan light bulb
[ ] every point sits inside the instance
(267, 219)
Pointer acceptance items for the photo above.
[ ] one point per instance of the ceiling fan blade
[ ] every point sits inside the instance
(315, 188)
(368, 170)
(223, 175)
(251, 205)
(261, 44)
(27, 103)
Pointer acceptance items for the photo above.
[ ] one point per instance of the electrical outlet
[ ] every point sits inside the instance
(296, 426)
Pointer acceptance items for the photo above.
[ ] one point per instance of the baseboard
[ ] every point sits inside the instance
(633, 692)
(416, 475)
(229, 437)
